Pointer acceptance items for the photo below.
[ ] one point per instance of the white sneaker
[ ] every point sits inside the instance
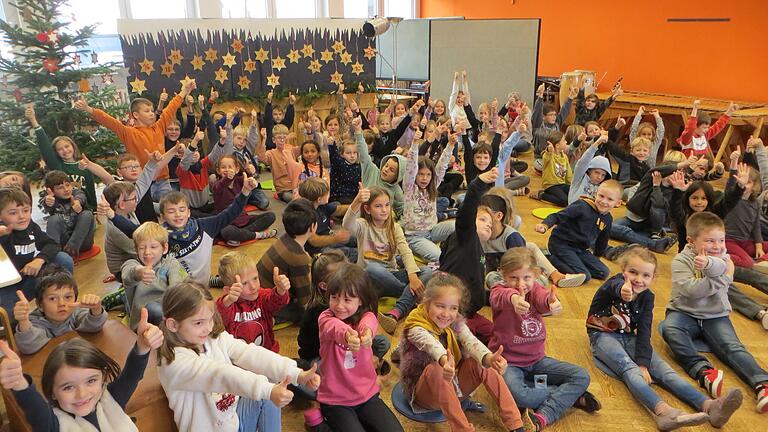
(572, 280)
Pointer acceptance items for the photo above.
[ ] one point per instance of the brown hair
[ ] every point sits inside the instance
(389, 225)
(573, 131)
(509, 202)
(62, 138)
(233, 158)
(55, 178)
(516, 258)
(440, 282)
(353, 281)
(592, 97)
(77, 353)
(25, 186)
(233, 264)
(53, 276)
(321, 266)
(645, 125)
(554, 137)
(703, 221)
(313, 188)
(114, 191)
(591, 123)
(14, 195)
(425, 162)
(482, 147)
(640, 252)
(126, 157)
(136, 103)
(172, 198)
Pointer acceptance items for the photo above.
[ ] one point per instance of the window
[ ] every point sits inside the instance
(243, 8)
(359, 8)
(399, 8)
(148, 9)
(80, 13)
(296, 9)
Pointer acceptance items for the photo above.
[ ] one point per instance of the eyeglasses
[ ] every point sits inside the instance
(134, 199)
(131, 167)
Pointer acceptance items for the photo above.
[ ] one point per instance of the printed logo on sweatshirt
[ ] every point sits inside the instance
(27, 248)
(248, 315)
(531, 328)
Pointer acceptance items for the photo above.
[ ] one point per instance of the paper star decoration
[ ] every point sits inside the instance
(185, 80)
(147, 66)
(229, 60)
(51, 65)
(326, 56)
(107, 78)
(249, 65)
(221, 75)
(244, 82)
(307, 50)
(175, 57)
(197, 62)
(357, 68)
(336, 77)
(273, 80)
(167, 69)
(211, 55)
(314, 66)
(370, 53)
(294, 56)
(237, 46)
(338, 46)
(278, 63)
(261, 55)
(345, 58)
(138, 86)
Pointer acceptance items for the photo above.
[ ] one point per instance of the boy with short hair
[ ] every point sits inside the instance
(699, 308)
(698, 131)
(546, 119)
(282, 160)
(147, 279)
(122, 198)
(58, 311)
(317, 192)
(583, 225)
(590, 108)
(70, 223)
(246, 308)
(274, 115)
(28, 247)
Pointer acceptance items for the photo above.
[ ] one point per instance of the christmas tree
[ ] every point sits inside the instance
(45, 69)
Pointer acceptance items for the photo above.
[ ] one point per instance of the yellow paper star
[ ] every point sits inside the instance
(167, 69)
(249, 65)
(314, 66)
(197, 62)
(307, 50)
(229, 60)
(221, 75)
(175, 57)
(294, 56)
(326, 56)
(147, 66)
(138, 86)
(357, 68)
(237, 46)
(211, 55)
(370, 53)
(338, 46)
(273, 80)
(278, 63)
(244, 82)
(336, 77)
(261, 55)
(345, 58)
(185, 79)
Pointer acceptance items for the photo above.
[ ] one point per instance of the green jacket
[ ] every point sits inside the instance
(371, 174)
(53, 162)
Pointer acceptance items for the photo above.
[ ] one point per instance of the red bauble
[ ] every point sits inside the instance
(42, 37)
(51, 65)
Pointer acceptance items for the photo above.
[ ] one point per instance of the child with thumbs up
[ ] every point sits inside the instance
(58, 311)
(519, 303)
(71, 223)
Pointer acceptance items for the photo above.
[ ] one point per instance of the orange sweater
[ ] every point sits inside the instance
(140, 138)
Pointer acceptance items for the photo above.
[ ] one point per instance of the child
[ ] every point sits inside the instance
(442, 362)
(695, 138)
(645, 151)
(58, 311)
(70, 223)
(345, 171)
(282, 160)
(699, 308)
(583, 225)
(349, 394)
(619, 326)
(84, 388)
(213, 380)
(118, 247)
(312, 161)
(316, 191)
(192, 173)
(743, 236)
(511, 178)
(518, 303)
(386, 138)
(27, 246)
(556, 173)
(16, 179)
(275, 115)
(246, 308)
(243, 149)
(545, 120)
(380, 241)
(388, 177)
(148, 278)
(589, 171)
(590, 108)
(459, 97)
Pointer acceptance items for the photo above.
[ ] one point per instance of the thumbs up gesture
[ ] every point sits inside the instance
(76, 206)
(701, 260)
(281, 281)
(356, 124)
(555, 307)
(233, 292)
(104, 209)
(249, 184)
(280, 394)
(150, 336)
(626, 290)
(144, 274)
(366, 338)
(522, 307)
(310, 378)
(163, 95)
(21, 312)
(49, 200)
(364, 194)
(90, 301)
(496, 360)
(353, 340)
(449, 366)
(11, 374)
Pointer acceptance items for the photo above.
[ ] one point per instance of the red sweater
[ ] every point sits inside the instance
(692, 144)
(251, 320)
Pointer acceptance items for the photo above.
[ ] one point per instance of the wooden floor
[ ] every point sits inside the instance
(567, 341)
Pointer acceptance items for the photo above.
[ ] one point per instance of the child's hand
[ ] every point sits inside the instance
(187, 88)
(753, 143)
(522, 128)
(646, 375)
(250, 169)
(620, 123)
(223, 133)
(149, 336)
(603, 137)
(353, 340)
(356, 125)
(582, 136)
(417, 135)
(214, 95)
(29, 113)
(449, 366)
(249, 184)
(618, 91)
(759, 252)
(731, 108)
(342, 87)
(280, 394)
(199, 135)
(84, 162)
(573, 92)
(656, 178)
(696, 104)
(263, 132)
(417, 106)
(103, 208)
(82, 105)
(522, 307)
(33, 267)
(719, 167)
(550, 148)
(49, 200)
(201, 101)
(417, 287)
(309, 378)
(490, 176)
(541, 228)
(540, 91)
(729, 265)
(76, 206)
(163, 95)
(366, 338)
(555, 307)
(341, 236)
(282, 283)
(291, 98)
(701, 261)
(144, 274)
(495, 104)
(269, 96)
(736, 154)
(361, 89)
(11, 374)
(742, 175)
(154, 156)
(363, 195)
(4, 231)
(496, 360)
(21, 311)
(234, 290)
(626, 290)
(90, 301)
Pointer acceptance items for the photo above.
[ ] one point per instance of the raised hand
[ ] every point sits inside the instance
(21, 311)
(540, 91)
(29, 113)
(11, 374)
(49, 199)
(732, 107)
(620, 123)
(582, 136)
(363, 195)
(214, 95)
(736, 154)
(280, 395)
(449, 367)
(626, 290)
(742, 175)
(291, 98)
(149, 335)
(573, 92)
(144, 274)
(353, 340)
(356, 125)
(199, 135)
(310, 378)
(75, 203)
(249, 184)
(656, 178)
(82, 105)
(84, 162)
(496, 360)
(163, 95)
(103, 208)
(522, 307)
(281, 281)
(490, 176)
(234, 290)
(187, 88)
(555, 307)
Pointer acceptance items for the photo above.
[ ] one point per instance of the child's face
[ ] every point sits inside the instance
(640, 152)
(12, 180)
(481, 160)
(646, 133)
(550, 117)
(63, 191)
(309, 153)
(444, 310)
(439, 108)
(701, 129)
(639, 274)
(711, 242)
(484, 224)
(561, 145)
(606, 199)
(250, 280)
(57, 303)
(227, 168)
(384, 124)
(698, 201)
(278, 115)
(353, 106)
(129, 170)
(65, 150)
(590, 103)
(483, 115)
(316, 123)
(700, 168)
(144, 115)
(343, 306)
(150, 252)
(460, 98)
(332, 127)
(593, 131)
(390, 170)
(415, 122)
(280, 140)
(16, 216)
(423, 177)
(596, 175)
(400, 110)
(349, 153)
(238, 141)
(195, 328)
(521, 279)
(430, 132)
(173, 131)
(77, 390)
(380, 208)
(176, 215)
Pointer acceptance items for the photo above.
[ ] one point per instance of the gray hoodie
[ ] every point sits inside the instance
(168, 272)
(700, 294)
(371, 174)
(581, 185)
(32, 340)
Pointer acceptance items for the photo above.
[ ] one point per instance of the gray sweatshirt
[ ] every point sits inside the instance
(700, 294)
(168, 272)
(81, 320)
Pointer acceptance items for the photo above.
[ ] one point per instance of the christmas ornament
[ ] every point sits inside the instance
(314, 66)
(53, 37)
(345, 58)
(211, 55)
(244, 82)
(138, 86)
(17, 95)
(107, 79)
(229, 60)
(197, 62)
(338, 46)
(185, 80)
(147, 66)
(370, 53)
(326, 56)
(237, 46)
(249, 65)
(94, 58)
(76, 59)
(261, 55)
(273, 80)
(175, 57)
(336, 77)
(357, 68)
(167, 69)
(294, 56)
(51, 65)
(42, 37)
(278, 63)
(221, 75)
(307, 50)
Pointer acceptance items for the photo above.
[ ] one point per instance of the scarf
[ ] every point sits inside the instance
(420, 318)
(182, 235)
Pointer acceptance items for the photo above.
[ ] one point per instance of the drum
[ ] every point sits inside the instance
(587, 80)
(568, 80)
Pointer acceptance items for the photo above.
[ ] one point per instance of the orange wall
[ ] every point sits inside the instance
(723, 60)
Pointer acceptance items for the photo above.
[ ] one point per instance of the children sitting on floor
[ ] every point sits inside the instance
(698, 131)
(70, 223)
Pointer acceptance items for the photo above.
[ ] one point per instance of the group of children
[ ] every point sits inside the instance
(391, 179)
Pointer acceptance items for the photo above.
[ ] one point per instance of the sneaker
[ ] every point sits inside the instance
(663, 244)
(711, 380)
(657, 236)
(518, 165)
(762, 399)
(588, 403)
(764, 320)
(523, 191)
(536, 195)
(266, 234)
(233, 243)
(388, 322)
(384, 368)
(571, 280)
(613, 252)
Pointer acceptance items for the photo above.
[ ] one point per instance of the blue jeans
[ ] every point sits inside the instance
(570, 260)
(424, 244)
(395, 284)
(680, 330)
(257, 415)
(28, 284)
(259, 199)
(629, 231)
(566, 382)
(80, 238)
(617, 350)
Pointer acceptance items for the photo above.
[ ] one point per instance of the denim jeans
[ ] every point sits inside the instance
(159, 189)
(395, 284)
(80, 238)
(28, 284)
(257, 415)
(570, 260)
(617, 350)
(680, 330)
(424, 244)
(741, 302)
(566, 382)
(629, 231)
(259, 199)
